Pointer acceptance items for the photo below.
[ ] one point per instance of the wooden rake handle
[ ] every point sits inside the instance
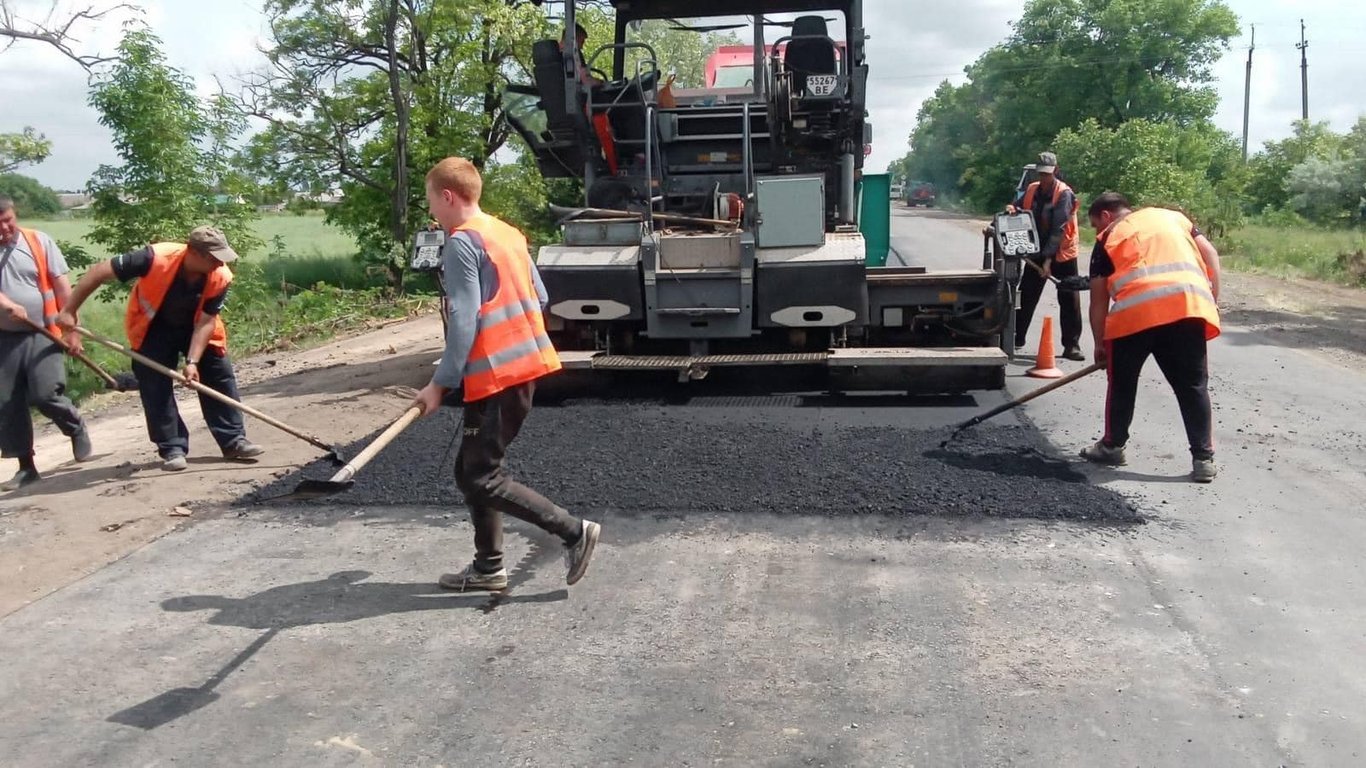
(109, 381)
(201, 389)
(1022, 399)
(346, 473)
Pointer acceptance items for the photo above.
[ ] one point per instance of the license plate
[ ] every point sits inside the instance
(821, 85)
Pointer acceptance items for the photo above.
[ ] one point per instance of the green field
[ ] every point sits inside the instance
(1334, 255)
(313, 252)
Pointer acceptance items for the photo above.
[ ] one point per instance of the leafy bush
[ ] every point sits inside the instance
(30, 197)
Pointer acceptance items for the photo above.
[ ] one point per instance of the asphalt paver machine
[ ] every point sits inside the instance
(720, 226)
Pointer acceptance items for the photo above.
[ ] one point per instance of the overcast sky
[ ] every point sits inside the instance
(915, 45)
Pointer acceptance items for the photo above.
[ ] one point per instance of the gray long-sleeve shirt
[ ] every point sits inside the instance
(471, 280)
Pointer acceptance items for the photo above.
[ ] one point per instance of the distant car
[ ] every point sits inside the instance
(920, 193)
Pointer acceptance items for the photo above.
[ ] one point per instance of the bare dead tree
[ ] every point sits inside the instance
(57, 30)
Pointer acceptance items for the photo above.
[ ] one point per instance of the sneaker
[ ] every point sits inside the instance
(577, 555)
(81, 449)
(1100, 453)
(1074, 353)
(174, 462)
(242, 449)
(1203, 470)
(471, 579)
(22, 478)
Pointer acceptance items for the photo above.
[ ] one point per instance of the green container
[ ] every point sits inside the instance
(875, 217)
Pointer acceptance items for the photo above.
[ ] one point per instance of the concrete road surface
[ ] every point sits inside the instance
(1226, 630)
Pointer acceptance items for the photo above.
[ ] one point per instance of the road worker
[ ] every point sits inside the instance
(496, 350)
(173, 311)
(1054, 206)
(1154, 291)
(33, 289)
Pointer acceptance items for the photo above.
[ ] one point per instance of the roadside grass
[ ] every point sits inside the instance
(303, 287)
(1332, 255)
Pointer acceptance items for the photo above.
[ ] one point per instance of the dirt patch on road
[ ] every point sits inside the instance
(83, 516)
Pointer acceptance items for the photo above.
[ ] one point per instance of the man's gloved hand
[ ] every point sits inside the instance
(1074, 283)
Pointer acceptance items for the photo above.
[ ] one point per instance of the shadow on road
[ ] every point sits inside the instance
(343, 597)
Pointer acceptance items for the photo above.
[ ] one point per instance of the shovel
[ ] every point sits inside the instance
(109, 381)
(333, 452)
(1021, 400)
(345, 477)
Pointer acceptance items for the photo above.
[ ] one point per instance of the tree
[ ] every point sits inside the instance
(365, 96)
(56, 30)
(169, 182)
(1068, 61)
(1270, 168)
(19, 149)
(31, 197)
(1196, 168)
(1326, 190)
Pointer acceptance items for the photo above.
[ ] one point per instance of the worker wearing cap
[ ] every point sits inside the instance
(173, 310)
(1054, 207)
(496, 350)
(33, 288)
(1154, 291)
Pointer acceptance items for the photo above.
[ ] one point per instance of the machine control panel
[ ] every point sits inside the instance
(1016, 234)
(427, 249)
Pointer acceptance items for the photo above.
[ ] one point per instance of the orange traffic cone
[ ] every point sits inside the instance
(1045, 367)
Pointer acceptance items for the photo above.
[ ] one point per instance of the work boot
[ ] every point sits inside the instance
(80, 445)
(1203, 470)
(1074, 353)
(472, 580)
(174, 462)
(577, 555)
(1100, 453)
(242, 448)
(25, 476)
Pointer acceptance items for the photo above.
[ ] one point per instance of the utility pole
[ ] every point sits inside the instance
(1247, 89)
(1303, 45)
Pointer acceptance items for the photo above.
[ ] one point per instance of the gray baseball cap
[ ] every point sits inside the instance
(1048, 163)
(211, 241)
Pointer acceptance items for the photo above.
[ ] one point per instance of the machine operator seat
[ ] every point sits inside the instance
(809, 56)
(548, 69)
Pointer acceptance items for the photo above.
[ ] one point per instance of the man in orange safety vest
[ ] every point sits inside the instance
(496, 349)
(1154, 291)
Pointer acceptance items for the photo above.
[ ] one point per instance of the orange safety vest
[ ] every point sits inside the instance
(150, 290)
(511, 345)
(1159, 275)
(1068, 250)
(50, 308)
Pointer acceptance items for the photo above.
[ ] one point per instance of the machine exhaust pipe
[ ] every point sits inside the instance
(847, 214)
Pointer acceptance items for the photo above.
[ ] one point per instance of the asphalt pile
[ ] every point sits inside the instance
(643, 457)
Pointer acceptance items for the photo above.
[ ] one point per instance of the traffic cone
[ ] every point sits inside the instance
(1045, 367)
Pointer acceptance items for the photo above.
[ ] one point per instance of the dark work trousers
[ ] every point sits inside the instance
(1180, 351)
(1031, 290)
(32, 375)
(164, 425)
(491, 425)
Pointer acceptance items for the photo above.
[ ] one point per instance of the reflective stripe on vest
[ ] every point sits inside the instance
(1067, 250)
(1159, 275)
(45, 287)
(511, 345)
(150, 291)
